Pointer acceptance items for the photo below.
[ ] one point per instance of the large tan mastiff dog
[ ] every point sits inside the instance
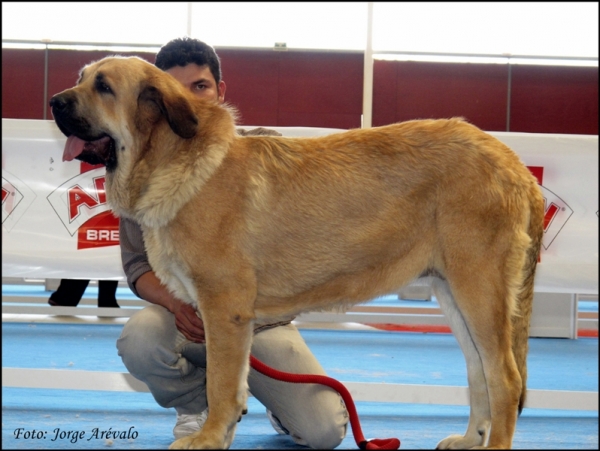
(255, 228)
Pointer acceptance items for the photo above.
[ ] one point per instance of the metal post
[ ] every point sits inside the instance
(189, 19)
(508, 96)
(45, 109)
(367, 116)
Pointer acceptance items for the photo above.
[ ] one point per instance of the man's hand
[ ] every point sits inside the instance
(188, 322)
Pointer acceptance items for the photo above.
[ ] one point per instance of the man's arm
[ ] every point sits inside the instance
(133, 253)
(143, 282)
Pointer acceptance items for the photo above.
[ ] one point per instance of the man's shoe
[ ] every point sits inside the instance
(188, 424)
(282, 430)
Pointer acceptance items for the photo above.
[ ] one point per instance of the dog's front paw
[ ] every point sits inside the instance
(457, 441)
(194, 441)
(184, 443)
(181, 443)
(203, 439)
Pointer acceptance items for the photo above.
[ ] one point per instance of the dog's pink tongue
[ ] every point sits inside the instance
(75, 146)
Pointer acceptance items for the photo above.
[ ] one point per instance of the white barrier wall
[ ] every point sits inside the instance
(56, 224)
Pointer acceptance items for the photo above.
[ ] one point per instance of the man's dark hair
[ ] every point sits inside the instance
(183, 51)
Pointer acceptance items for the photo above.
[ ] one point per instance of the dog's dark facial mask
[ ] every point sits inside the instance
(82, 144)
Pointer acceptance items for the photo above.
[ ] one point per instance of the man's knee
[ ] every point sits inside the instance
(326, 435)
(329, 427)
(143, 337)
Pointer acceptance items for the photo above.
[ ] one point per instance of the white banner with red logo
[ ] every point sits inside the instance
(56, 223)
(55, 220)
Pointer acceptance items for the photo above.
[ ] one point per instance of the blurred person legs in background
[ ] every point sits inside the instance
(70, 292)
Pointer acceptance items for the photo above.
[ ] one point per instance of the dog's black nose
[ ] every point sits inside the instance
(57, 103)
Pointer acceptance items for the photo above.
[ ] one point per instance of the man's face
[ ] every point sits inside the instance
(200, 81)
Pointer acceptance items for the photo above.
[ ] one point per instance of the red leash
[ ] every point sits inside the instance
(376, 443)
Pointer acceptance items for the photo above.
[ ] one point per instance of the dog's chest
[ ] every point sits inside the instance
(167, 264)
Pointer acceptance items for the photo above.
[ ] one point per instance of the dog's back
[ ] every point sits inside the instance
(368, 198)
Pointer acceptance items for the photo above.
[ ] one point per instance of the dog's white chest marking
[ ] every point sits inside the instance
(167, 266)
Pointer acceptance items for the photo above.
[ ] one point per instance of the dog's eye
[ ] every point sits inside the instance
(102, 87)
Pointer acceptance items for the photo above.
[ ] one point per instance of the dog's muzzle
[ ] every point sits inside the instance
(81, 143)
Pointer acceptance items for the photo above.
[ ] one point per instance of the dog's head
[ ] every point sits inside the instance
(115, 105)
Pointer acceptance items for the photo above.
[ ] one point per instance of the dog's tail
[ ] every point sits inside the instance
(521, 320)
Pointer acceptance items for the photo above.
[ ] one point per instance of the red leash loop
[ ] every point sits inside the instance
(388, 443)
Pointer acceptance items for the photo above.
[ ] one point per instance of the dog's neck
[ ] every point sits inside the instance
(159, 196)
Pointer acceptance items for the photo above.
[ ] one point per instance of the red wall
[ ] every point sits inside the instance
(411, 90)
(294, 88)
(22, 84)
(555, 100)
(320, 89)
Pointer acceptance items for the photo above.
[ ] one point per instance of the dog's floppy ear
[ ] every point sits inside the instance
(154, 102)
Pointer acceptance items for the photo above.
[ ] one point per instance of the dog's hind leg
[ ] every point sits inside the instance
(480, 418)
(483, 286)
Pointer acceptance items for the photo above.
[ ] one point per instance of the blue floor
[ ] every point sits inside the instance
(365, 356)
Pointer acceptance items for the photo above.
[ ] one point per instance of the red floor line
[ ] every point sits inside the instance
(424, 328)
(587, 333)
